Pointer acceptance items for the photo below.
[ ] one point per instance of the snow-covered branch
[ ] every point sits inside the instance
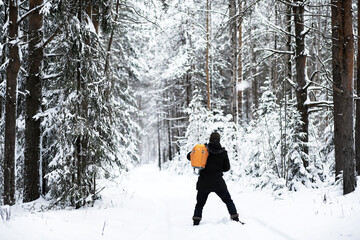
(276, 51)
(31, 11)
(52, 36)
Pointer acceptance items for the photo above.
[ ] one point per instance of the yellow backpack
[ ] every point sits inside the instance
(198, 156)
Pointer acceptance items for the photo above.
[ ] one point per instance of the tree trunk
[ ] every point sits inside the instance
(2, 61)
(255, 83)
(301, 91)
(254, 78)
(108, 52)
(169, 125)
(274, 68)
(93, 11)
(343, 63)
(188, 88)
(33, 105)
(357, 126)
(347, 74)
(288, 48)
(339, 165)
(10, 105)
(239, 65)
(233, 58)
(207, 52)
(159, 140)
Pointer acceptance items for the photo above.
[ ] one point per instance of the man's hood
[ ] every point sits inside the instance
(215, 147)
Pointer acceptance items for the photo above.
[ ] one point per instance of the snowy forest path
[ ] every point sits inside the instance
(164, 203)
(150, 204)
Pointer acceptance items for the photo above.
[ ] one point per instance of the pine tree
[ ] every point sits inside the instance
(343, 63)
(11, 104)
(33, 104)
(207, 60)
(300, 65)
(89, 113)
(357, 125)
(3, 19)
(234, 55)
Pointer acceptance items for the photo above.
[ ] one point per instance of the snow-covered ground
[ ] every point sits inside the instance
(148, 204)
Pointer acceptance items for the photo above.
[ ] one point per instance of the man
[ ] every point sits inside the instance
(211, 180)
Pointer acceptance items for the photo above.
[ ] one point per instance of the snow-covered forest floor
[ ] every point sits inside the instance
(153, 204)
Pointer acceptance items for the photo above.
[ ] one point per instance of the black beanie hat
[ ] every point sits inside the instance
(215, 136)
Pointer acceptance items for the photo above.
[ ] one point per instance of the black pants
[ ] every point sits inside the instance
(225, 197)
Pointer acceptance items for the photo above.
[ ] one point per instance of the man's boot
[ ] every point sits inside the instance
(235, 217)
(196, 220)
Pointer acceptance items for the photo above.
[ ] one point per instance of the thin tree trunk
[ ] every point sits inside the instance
(108, 50)
(255, 83)
(92, 10)
(255, 80)
(274, 63)
(239, 66)
(233, 58)
(301, 91)
(288, 47)
(159, 141)
(207, 52)
(188, 88)
(287, 93)
(2, 61)
(10, 105)
(79, 143)
(343, 63)
(168, 121)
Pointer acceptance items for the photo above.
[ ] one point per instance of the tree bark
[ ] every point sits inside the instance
(10, 105)
(92, 11)
(343, 64)
(81, 142)
(274, 67)
(2, 61)
(159, 139)
(207, 52)
(239, 65)
(169, 125)
(255, 83)
(301, 91)
(188, 88)
(347, 72)
(108, 50)
(288, 89)
(233, 58)
(339, 165)
(33, 105)
(357, 126)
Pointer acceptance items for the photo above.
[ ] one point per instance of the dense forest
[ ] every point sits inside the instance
(90, 86)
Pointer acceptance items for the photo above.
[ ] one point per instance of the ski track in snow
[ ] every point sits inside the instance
(153, 204)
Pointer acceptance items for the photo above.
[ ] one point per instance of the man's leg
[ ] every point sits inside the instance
(200, 203)
(226, 198)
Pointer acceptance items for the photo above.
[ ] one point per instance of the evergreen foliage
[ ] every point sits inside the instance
(88, 123)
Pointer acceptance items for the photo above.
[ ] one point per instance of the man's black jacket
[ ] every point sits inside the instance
(210, 179)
